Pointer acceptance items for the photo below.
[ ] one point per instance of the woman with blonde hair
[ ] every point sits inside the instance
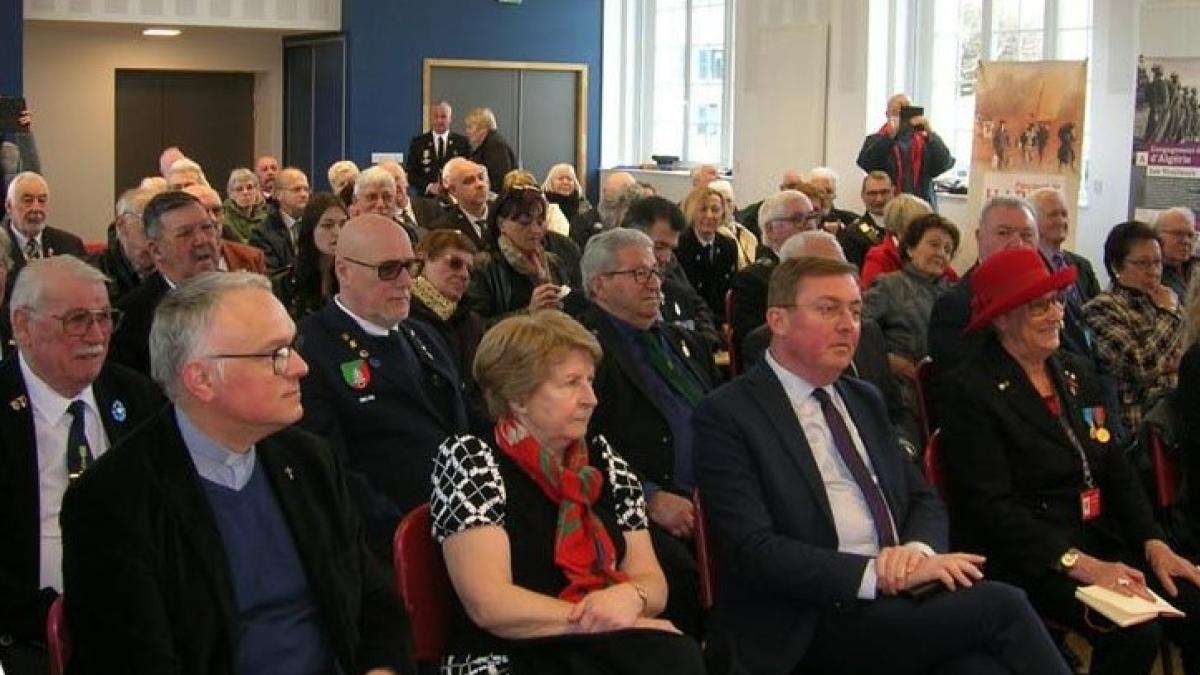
(708, 257)
(746, 241)
(488, 148)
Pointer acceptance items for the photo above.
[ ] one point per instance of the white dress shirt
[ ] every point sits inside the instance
(51, 426)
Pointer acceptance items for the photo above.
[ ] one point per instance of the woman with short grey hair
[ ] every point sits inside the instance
(244, 205)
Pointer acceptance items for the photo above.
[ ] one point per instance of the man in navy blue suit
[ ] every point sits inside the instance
(381, 388)
(828, 539)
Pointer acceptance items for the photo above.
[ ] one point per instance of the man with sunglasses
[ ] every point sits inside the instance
(63, 409)
(652, 375)
(382, 388)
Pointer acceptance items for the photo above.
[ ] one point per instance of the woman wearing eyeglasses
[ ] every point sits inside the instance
(448, 256)
(244, 206)
(312, 280)
(519, 273)
(1137, 321)
(1038, 484)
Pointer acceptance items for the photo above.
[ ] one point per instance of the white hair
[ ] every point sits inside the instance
(241, 175)
(774, 205)
(803, 244)
(826, 173)
(600, 256)
(1181, 211)
(185, 165)
(453, 165)
(342, 167)
(23, 177)
(29, 291)
(374, 177)
(556, 171)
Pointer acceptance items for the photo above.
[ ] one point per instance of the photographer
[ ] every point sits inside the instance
(907, 149)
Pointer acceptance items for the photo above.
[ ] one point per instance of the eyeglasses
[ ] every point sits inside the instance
(1041, 307)
(1186, 235)
(457, 264)
(77, 322)
(281, 357)
(1145, 263)
(641, 275)
(800, 219)
(391, 269)
(830, 310)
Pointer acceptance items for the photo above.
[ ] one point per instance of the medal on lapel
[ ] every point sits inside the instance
(118, 411)
(356, 374)
(19, 403)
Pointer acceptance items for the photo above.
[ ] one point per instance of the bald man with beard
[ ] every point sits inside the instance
(381, 387)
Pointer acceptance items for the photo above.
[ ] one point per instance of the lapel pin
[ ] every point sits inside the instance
(686, 352)
(288, 471)
(19, 403)
(1002, 385)
(362, 354)
(118, 411)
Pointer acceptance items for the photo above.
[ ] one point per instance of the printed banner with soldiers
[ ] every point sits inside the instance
(1166, 137)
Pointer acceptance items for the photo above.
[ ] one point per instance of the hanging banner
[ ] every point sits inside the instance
(1166, 138)
(1028, 130)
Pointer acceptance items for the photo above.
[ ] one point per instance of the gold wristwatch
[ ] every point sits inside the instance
(1068, 559)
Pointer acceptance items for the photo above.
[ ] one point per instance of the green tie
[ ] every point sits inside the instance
(666, 366)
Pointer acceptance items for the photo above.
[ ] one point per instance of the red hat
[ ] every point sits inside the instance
(1009, 279)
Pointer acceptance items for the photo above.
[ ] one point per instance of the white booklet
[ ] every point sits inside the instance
(1125, 610)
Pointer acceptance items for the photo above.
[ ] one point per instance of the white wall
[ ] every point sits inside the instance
(70, 84)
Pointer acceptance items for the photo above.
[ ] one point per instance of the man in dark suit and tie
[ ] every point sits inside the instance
(184, 243)
(276, 235)
(28, 204)
(822, 526)
(429, 152)
(382, 388)
(63, 409)
(466, 208)
(218, 538)
(415, 213)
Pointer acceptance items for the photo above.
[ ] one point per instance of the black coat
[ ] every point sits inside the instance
(123, 278)
(628, 414)
(683, 307)
(388, 430)
(423, 164)
(54, 242)
(710, 278)
(858, 237)
(272, 237)
(130, 345)
(1015, 477)
(454, 218)
(497, 289)
(23, 603)
(150, 587)
(497, 155)
(749, 290)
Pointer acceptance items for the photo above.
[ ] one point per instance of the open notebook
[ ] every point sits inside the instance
(1125, 611)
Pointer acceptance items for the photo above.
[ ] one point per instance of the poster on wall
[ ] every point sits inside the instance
(1028, 130)
(1166, 137)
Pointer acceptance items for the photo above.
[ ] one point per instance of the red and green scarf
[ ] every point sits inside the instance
(582, 547)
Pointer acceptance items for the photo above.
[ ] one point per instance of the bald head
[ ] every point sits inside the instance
(372, 264)
(615, 182)
(792, 180)
(362, 235)
(210, 199)
(168, 157)
(291, 189)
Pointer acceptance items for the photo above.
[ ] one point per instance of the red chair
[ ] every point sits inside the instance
(58, 641)
(735, 359)
(1166, 492)
(706, 565)
(423, 584)
(932, 464)
(925, 399)
(91, 248)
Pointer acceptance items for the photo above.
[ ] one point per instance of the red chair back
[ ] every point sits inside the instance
(705, 562)
(92, 248)
(423, 583)
(932, 464)
(925, 399)
(1166, 472)
(58, 641)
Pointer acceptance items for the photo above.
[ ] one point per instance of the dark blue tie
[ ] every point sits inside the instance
(858, 468)
(79, 454)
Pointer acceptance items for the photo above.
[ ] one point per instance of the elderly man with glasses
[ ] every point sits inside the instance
(64, 409)
(652, 374)
(1176, 229)
(217, 537)
(383, 388)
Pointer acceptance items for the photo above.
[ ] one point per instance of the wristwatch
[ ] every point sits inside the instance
(1068, 559)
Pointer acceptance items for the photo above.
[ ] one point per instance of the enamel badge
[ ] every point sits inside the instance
(356, 374)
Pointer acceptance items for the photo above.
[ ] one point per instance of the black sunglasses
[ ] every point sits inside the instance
(390, 269)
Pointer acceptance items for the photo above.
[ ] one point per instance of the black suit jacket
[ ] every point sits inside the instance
(497, 155)
(710, 278)
(628, 414)
(423, 164)
(1015, 477)
(131, 342)
(1085, 281)
(23, 602)
(858, 237)
(148, 582)
(123, 278)
(749, 288)
(54, 242)
(272, 237)
(454, 218)
(388, 431)
(683, 307)
(770, 518)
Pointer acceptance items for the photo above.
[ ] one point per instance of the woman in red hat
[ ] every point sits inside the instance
(1037, 483)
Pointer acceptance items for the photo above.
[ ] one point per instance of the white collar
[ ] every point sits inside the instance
(50, 404)
(368, 327)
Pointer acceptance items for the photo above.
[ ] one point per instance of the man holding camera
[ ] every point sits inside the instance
(907, 149)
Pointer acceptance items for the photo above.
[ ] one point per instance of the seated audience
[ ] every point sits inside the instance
(342, 173)
(467, 205)
(488, 148)
(791, 180)
(60, 308)
(382, 390)
(782, 215)
(519, 272)
(618, 191)
(235, 256)
(885, 257)
(821, 526)
(869, 229)
(245, 207)
(708, 258)
(651, 377)
(543, 525)
(375, 192)
(747, 242)
(127, 260)
(184, 243)
(28, 204)
(216, 537)
(833, 219)
(447, 257)
(562, 187)
(901, 302)
(313, 282)
(1176, 230)
(662, 221)
(414, 213)
(276, 235)
(1050, 208)
(555, 242)
(266, 168)
(1039, 486)
(1137, 322)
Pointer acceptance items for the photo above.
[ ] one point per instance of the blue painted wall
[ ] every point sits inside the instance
(387, 41)
(11, 34)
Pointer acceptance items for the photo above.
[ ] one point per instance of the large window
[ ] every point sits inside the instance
(674, 55)
(964, 32)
